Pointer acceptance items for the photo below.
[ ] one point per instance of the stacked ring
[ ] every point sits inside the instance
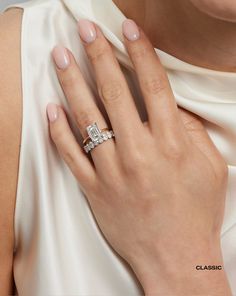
(96, 137)
(89, 139)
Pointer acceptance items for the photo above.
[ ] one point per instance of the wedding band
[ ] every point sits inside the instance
(97, 136)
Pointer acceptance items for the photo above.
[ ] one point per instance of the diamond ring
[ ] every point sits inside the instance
(85, 141)
(96, 136)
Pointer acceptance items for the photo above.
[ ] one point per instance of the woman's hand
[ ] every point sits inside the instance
(158, 190)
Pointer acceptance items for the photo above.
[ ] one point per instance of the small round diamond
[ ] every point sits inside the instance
(91, 145)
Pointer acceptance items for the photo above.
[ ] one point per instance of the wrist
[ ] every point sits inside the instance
(195, 270)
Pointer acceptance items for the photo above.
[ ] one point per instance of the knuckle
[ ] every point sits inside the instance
(173, 150)
(193, 125)
(57, 135)
(111, 91)
(155, 85)
(134, 162)
(84, 118)
(130, 168)
(115, 179)
(68, 157)
(139, 52)
(98, 52)
(88, 180)
(69, 79)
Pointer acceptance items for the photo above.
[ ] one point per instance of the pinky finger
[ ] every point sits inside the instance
(68, 146)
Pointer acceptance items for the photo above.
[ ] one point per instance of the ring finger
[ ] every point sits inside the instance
(81, 101)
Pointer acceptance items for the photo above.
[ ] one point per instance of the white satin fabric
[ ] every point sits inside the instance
(59, 249)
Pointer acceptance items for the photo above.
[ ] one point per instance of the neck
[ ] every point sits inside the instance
(181, 30)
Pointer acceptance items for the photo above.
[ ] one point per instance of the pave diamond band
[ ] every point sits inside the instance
(97, 136)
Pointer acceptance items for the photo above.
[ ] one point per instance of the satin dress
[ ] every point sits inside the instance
(59, 249)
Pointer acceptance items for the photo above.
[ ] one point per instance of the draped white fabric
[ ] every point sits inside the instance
(59, 249)
(5, 3)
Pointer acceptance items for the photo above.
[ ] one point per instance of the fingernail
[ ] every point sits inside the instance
(87, 30)
(61, 57)
(131, 30)
(52, 112)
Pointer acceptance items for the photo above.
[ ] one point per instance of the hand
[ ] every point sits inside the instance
(158, 190)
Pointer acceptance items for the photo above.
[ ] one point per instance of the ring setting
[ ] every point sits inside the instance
(96, 137)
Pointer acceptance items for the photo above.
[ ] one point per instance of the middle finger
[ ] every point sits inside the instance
(111, 83)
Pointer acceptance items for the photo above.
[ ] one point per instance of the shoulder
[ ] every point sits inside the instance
(10, 18)
(10, 76)
(10, 68)
(10, 131)
(10, 31)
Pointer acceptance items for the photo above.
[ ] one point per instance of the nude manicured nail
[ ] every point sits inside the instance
(52, 112)
(131, 30)
(87, 30)
(61, 57)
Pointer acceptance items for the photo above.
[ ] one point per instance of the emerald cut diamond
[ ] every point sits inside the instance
(97, 136)
(94, 132)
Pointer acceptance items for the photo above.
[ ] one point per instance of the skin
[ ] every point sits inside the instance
(217, 37)
(189, 19)
(224, 10)
(149, 188)
(10, 133)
